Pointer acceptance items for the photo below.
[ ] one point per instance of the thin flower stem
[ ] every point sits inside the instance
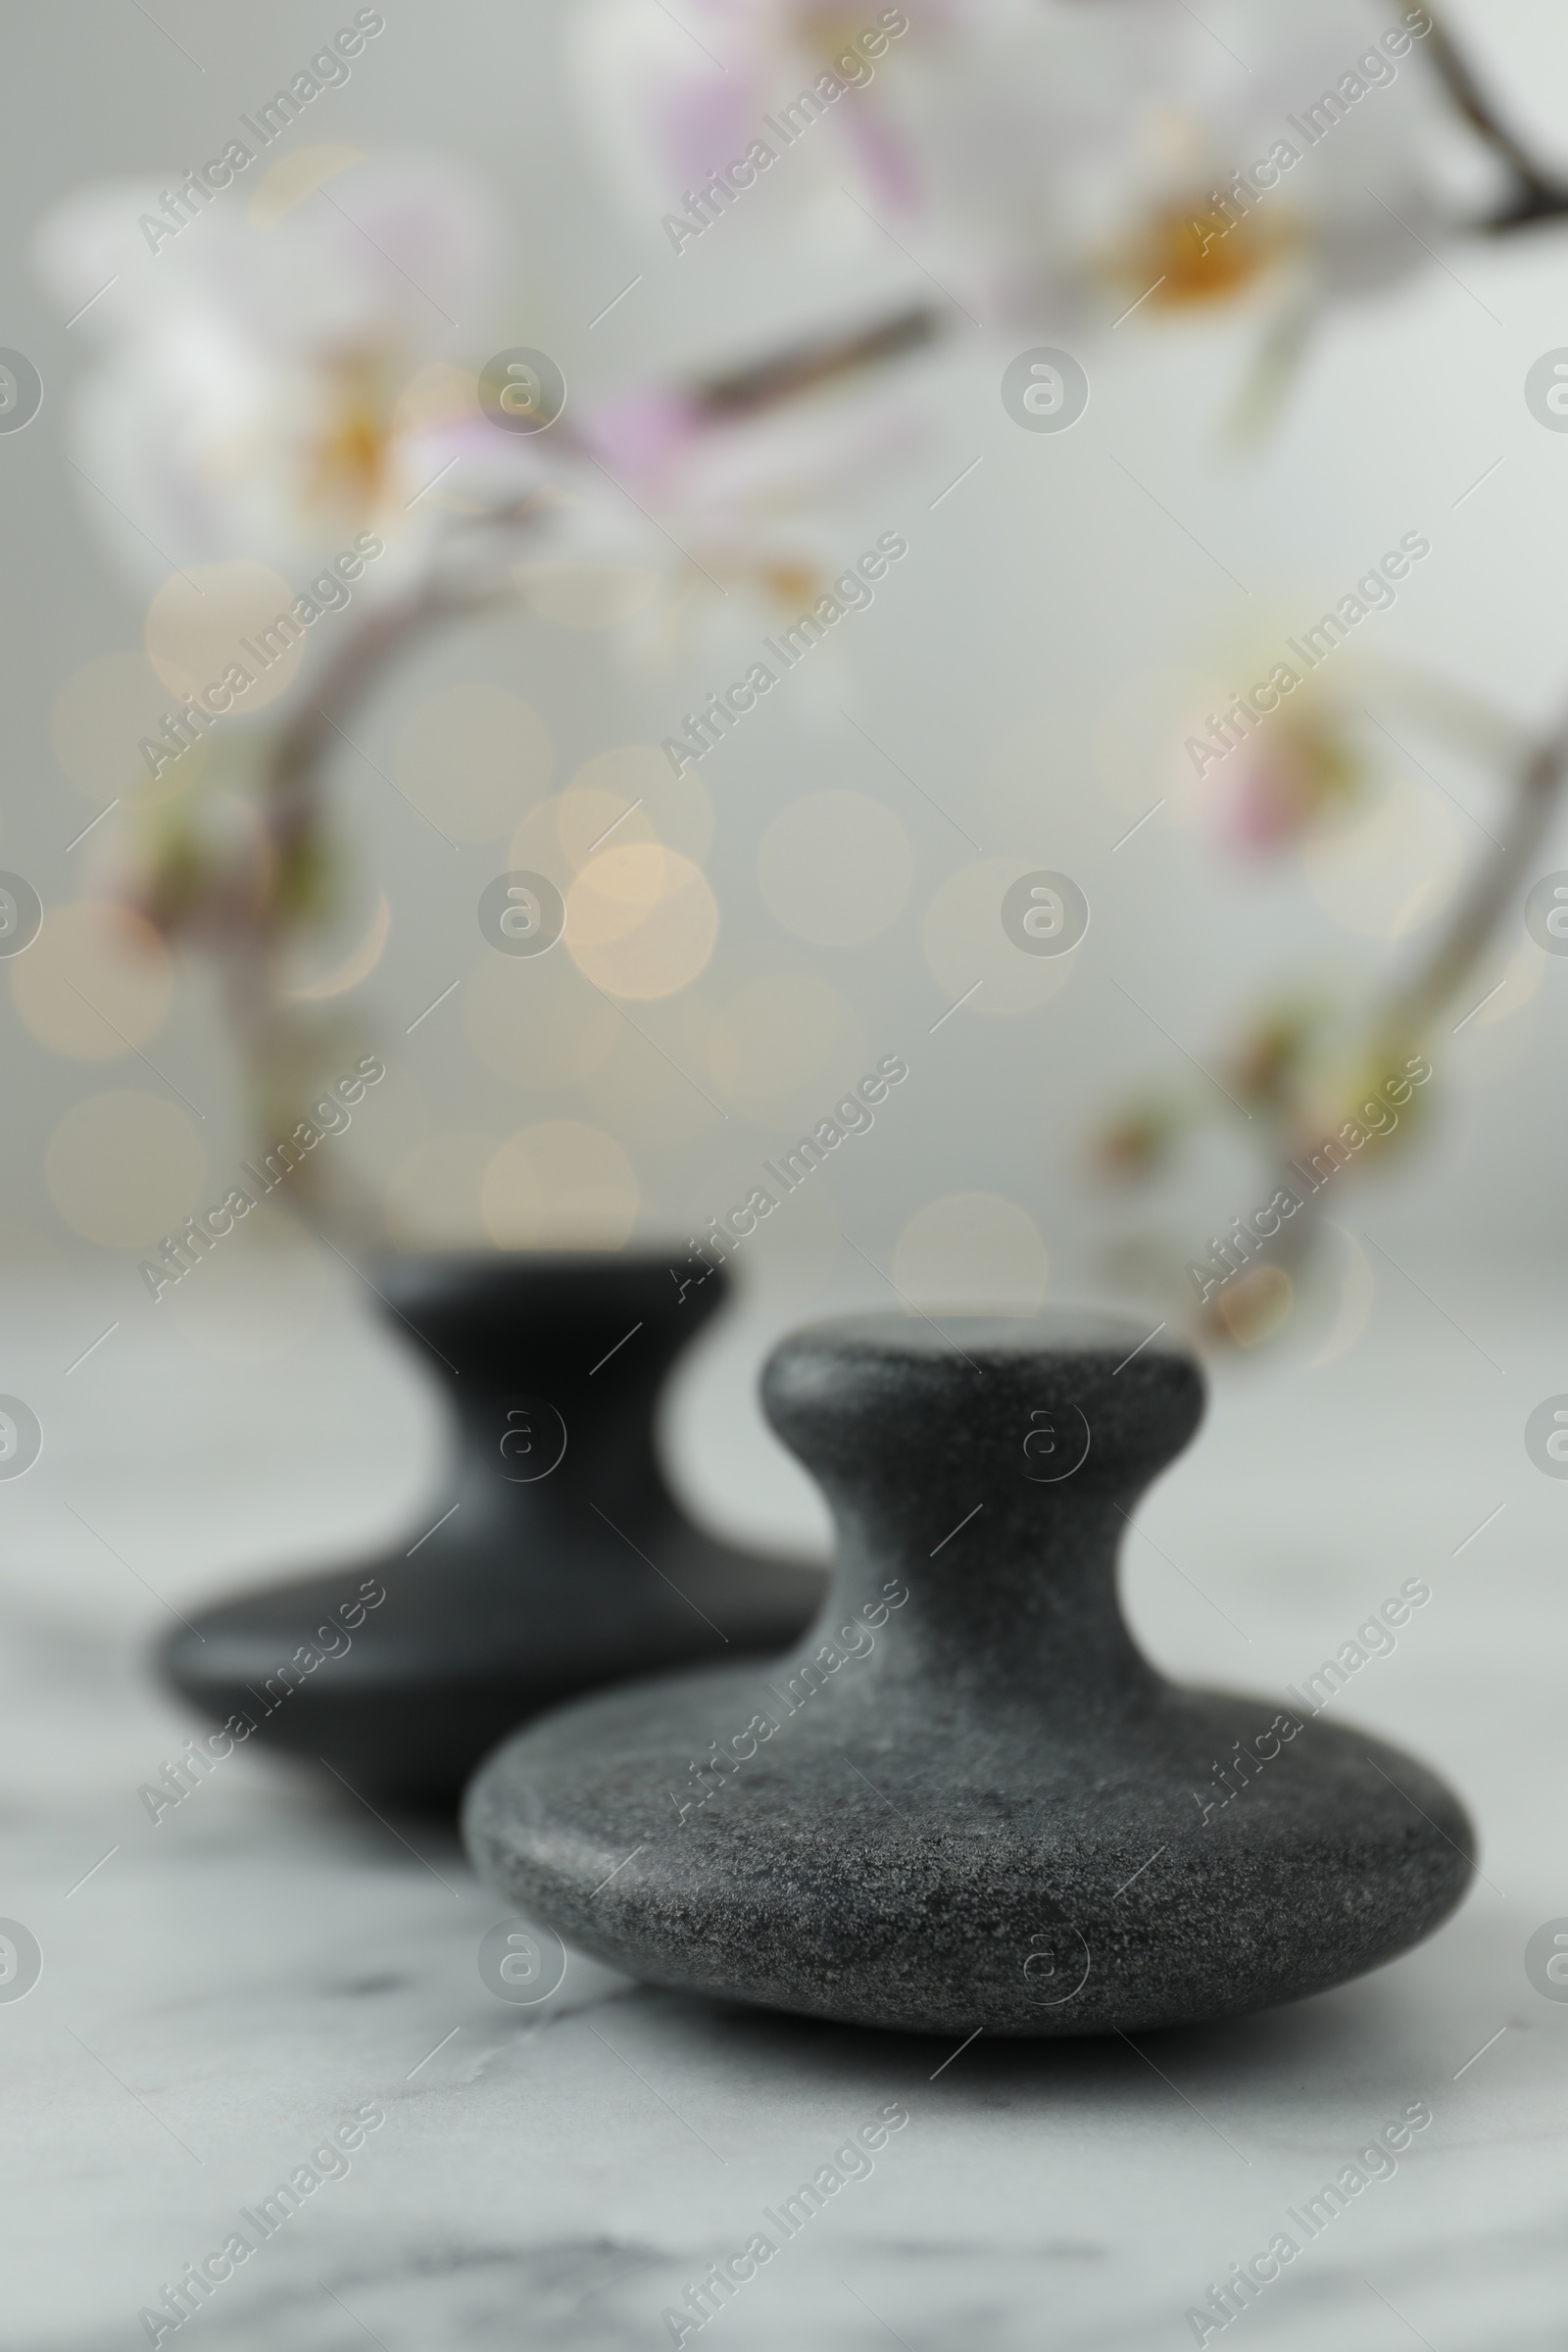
(1404, 1019)
(1411, 1010)
(806, 366)
(278, 1044)
(1539, 197)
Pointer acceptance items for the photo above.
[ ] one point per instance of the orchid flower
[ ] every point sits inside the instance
(1125, 154)
(675, 101)
(275, 377)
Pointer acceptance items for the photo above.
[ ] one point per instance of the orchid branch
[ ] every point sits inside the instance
(1405, 1017)
(1539, 196)
(291, 814)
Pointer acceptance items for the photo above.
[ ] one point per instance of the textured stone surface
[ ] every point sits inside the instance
(966, 1800)
(557, 1561)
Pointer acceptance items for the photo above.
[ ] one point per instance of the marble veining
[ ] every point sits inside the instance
(221, 1987)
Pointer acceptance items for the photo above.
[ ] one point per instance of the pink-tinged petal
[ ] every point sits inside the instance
(418, 233)
(666, 101)
(1295, 772)
(886, 160)
(642, 438)
(705, 123)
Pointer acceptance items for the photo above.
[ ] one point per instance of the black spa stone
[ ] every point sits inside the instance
(560, 1562)
(966, 1798)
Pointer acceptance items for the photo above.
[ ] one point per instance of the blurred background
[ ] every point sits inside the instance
(755, 393)
(1139, 337)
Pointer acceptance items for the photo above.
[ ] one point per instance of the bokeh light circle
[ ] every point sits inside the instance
(641, 921)
(971, 1250)
(95, 984)
(559, 1184)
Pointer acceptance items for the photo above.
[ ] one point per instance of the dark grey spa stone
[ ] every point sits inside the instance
(966, 1798)
(558, 1560)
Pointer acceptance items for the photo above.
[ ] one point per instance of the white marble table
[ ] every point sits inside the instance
(224, 1988)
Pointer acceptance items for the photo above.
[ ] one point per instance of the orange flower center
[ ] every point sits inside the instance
(1189, 253)
(348, 460)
